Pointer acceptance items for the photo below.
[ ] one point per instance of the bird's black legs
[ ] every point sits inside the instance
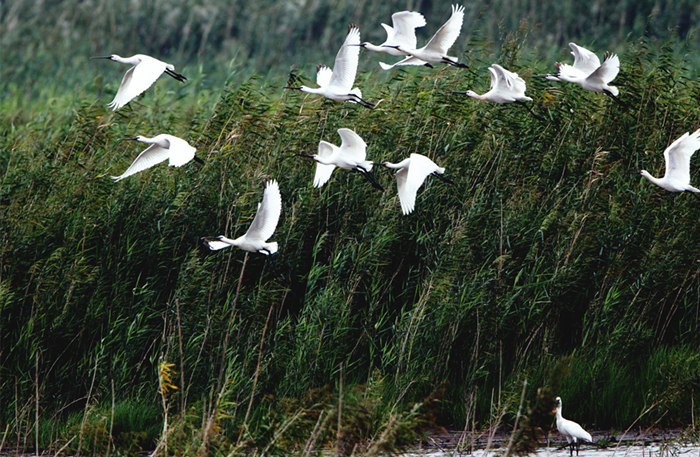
(198, 160)
(175, 75)
(272, 263)
(527, 107)
(454, 64)
(360, 101)
(617, 99)
(369, 177)
(442, 178)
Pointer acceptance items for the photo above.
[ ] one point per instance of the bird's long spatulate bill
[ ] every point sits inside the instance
(127, 139)
(101, 57)
(294, 88)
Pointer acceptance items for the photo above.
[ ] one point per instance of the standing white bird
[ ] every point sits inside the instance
(176, 150)
(402, 34)
(677, 157)
(337, 84)
(140, 77)
(411, 175)
(588, 72)
(506, 87)
(571, 430)
(351, 155)
(436, 49)
(262, 228)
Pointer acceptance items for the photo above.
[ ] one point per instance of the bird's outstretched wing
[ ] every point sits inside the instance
(323, 171)
(494, 78)
(268, 214)
(513, 82)
(152, 155)
(404, 31)
(678, 155)
(419, 169)
(136, 80)
(345, 67)
(584, 60)
(352, 147)
(180, 152)
(323, 75)
(608, 70)
(448, 33)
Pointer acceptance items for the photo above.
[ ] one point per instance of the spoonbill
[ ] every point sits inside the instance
(571, 430)
(436, 49)
(262, 228)
(402, 34)
(677, 157)
(506, 87)
(140, 77)
(588, 72)
(411, 175)
(351, 155)
(337, 84)
(162, 147)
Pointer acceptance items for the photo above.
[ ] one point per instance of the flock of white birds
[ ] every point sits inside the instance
(337, 84)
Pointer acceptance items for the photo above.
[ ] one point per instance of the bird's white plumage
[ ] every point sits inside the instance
(411, 175)
(144, 72)
(350, 155)
(323, 75)
(506, 87)
(345, 67)
(323, 172)
(588, 72)
(260, 230)
(403, 33)
(176, 150)
(677, 157)
(572, 431)
(435, 50)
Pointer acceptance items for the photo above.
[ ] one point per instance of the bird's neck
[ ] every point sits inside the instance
(311, 90)
(133, 60)
(371, 47)
(657, 181)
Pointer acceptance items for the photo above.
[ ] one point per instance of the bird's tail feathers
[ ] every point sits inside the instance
(270, 248)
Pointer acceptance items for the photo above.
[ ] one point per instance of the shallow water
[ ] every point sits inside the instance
(650, 450)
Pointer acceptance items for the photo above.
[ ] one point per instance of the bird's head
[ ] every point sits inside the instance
(557, 404)
(470, 93)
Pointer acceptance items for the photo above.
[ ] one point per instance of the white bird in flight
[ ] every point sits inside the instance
(677, 157)
(351, 155)
(262, 228)
(403, 33)
(162, 147)
(572, 431)
(337, 84)
(506, 87)
(140, 77)
(588, 72)
(411, 175)
(436, 49)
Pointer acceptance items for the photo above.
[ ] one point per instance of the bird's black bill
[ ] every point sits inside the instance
(292, 88)
(308, 156)
(177, 76)
(102, 57)
(127, 139)
(541, 76)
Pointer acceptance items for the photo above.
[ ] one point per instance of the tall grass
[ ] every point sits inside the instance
(545, 260)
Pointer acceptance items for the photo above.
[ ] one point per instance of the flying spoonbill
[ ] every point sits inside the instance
(571, 430)
(677, 157)
(506, 87)
(162, 147)
(140, 77)
(351, 155)
(262, 228)
(402, 34)
(337, 84)
(588, 72)
(411, 175)
(436, 49)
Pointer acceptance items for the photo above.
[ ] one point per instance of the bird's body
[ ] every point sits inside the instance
(401, 33)
(506, 87)
(144, 72)
(677, 157)
(262, 228)
(337, 84)
(588, 72)
(411, 175)
(350, 155)
(436, 49)
(162, 147)
(572, 431)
